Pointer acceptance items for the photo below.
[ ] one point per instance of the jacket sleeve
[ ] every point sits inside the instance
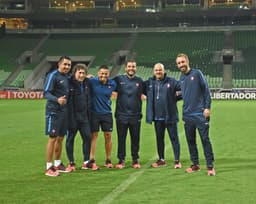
(205, 91)
(89, 98)
(49, 88)
(149, 105)
(71, 115)
(178, 90)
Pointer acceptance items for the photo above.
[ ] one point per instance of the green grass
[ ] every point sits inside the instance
(22, 157)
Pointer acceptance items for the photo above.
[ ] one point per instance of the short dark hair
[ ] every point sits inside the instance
(103, 67)
(129, 60)
(63, 57)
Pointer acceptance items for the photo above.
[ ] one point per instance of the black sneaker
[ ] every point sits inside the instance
(90, 165)
(193, 168)
(62, 168)
(158, 163)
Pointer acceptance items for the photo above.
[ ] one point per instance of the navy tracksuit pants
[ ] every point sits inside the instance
(85, 132)
(160, 127)
(191, 124)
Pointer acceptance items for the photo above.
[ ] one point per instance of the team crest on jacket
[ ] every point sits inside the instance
(168, 85)
(192, 78)
(137, 84)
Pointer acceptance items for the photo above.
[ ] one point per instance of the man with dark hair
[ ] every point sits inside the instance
(128, 112)
(56, 91)
(102, 88)
(196, 112)
(79, 106)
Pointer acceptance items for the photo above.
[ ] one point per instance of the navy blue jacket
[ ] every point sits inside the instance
(79, 103)
(195, 93)
(55, 86)
(129, 92)
(167, 96)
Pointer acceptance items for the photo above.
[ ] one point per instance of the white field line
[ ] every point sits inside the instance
(126, 183)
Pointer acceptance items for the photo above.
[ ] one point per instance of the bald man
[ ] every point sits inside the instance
(162, 110)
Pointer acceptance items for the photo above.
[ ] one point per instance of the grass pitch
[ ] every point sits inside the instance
(22, 157)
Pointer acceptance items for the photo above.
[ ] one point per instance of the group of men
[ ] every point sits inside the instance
(82, 103)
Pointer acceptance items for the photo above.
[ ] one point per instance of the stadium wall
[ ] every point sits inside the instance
(234, 94)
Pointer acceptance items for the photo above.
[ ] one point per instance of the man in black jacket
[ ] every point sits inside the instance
(128, 112)
(79, 106)
(162, 110)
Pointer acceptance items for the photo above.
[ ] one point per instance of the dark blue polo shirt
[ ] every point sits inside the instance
(101, 95)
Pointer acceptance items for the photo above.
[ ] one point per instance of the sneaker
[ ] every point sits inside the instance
(136, 164)
(62, 168)
(94, 167)
(52, 172)
(158, 163)
(85, 166)
(193, 168)
(90, 165)
(108, 163)
(120, 164)
(211, 171)
(177, 164)
(71, 167)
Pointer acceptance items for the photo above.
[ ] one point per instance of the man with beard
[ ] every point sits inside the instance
(128, 113)
(196, 113)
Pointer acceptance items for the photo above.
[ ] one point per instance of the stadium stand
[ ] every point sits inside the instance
(244, 74)
(163, 47)
(99, 45)
(148, 48)
(12, 46)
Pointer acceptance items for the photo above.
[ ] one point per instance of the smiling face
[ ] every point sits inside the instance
(64, 66)
(182, 62)
(130, 69)
(103, 75)
(80, 75)
(159, 71)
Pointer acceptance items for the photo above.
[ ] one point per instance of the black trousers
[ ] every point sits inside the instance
(160, 127)
(134, 130)
(85, 132)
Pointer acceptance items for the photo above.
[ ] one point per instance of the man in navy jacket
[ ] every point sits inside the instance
(56, 91)
(128, 112)
(196, 112)
(161, 109)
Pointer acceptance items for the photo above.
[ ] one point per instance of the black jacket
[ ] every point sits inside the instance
(79, 103)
